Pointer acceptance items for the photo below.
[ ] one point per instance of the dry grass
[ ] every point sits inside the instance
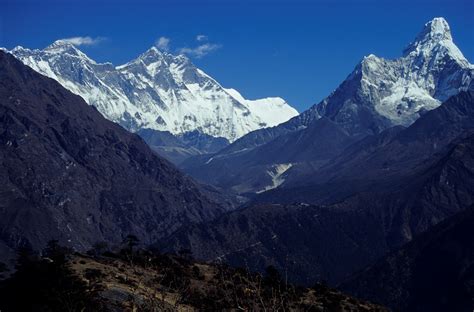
(181, 285)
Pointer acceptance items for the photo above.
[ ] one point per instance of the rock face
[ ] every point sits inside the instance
(377, 95)
(67, 173)
(157, 90)
(434, 272)
(330, 221)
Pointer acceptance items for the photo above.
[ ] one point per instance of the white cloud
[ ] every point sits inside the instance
(163, 43)
(201, 38)
(201, 50)
(87, 41)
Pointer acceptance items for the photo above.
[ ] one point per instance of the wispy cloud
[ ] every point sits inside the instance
(163, 43)
(201, 38)
(201, 50)
(84, 41)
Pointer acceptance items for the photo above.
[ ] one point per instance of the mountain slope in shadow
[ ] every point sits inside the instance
(333, 229)
(67, 173)
(434, 272)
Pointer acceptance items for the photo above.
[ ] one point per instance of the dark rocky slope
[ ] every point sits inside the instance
(434, 272)
(306, 243)
(388, 160)
(247, 171)
(67, 173)
(368, 211)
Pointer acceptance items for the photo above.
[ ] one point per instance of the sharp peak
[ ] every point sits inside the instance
(62, 46)
(370, 57)
(152, 55)
(155, 52)
(435, 31)
(154, 49)
(167, 53)
(18, 48)
(60, 43)
(437, 28)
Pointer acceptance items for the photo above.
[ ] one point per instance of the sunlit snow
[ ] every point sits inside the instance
(157, 90)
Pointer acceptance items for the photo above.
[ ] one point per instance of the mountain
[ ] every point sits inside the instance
(262, 168)
(157, 90)
(67, 173)
(377, 162)
(332, 242)
(377, 195)
(434, 272)
(383, 93)
(379, 94)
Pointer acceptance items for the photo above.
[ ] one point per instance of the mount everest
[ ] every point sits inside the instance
(157, 91)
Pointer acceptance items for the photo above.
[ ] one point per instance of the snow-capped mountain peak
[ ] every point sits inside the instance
(435, 42)
(436, 29)
(59, 45)
(65, 47)
(381, 93)
(157, 90)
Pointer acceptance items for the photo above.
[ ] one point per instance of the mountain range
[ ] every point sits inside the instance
(379, 94)
(330, 193)
(390, 188)
(157, 90)
(371, 189)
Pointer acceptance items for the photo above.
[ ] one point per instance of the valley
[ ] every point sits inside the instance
(149, 186)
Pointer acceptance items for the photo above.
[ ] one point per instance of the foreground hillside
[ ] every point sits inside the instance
(145, 281)
(67, 173)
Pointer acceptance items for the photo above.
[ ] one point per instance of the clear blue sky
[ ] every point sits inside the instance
(299, 50)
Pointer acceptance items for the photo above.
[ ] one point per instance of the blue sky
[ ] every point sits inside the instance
(299, 50)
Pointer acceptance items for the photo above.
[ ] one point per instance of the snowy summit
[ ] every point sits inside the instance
(398, 91)
(157, 90)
